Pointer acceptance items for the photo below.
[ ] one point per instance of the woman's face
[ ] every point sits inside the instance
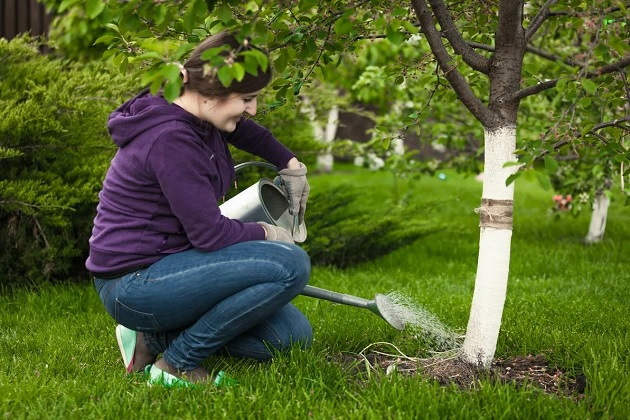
(225, 112)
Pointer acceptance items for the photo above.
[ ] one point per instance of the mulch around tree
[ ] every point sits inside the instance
(526, 371)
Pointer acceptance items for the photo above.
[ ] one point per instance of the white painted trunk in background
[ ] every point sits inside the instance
(493, 265)
(325, 135)
(325, 161)
(597, 226)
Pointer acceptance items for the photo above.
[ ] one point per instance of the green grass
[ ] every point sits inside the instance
(568, 301)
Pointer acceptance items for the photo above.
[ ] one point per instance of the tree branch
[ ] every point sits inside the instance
(612, 123)
(593, 131)
(449, 30)
(576, 13)
(532, 49)
(553, 57)
(539, 19)
(446, 63)
(532, 90)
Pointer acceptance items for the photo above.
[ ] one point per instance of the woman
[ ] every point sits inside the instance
(182, 280)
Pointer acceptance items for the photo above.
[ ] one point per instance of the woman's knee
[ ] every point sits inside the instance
(295, 264)
(301, 264)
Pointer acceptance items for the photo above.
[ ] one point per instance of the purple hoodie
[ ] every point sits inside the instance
(161, 193)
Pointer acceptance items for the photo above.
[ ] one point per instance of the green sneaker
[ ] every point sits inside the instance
(126, 339)
(224, 381)
(158, 377)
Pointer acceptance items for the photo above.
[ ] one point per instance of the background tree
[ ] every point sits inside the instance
(495, 58)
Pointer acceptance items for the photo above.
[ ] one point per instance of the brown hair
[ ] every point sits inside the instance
(209, 85)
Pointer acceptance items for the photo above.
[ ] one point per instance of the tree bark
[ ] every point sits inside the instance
(494, 248)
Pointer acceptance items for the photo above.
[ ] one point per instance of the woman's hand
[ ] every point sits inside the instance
(276, 233)
(296, 187)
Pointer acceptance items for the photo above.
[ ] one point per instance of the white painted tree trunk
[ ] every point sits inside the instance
(494, 248)
(597, 226)
(325, 161)
(326, 135)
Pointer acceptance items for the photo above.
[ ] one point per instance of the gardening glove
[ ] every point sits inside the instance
(276, 233)
(296, 190)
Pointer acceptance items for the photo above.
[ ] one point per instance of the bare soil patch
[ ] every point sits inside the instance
(527, 371)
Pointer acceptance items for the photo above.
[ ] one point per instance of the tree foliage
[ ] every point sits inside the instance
(570, 95)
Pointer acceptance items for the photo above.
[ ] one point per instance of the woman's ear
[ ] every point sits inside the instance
(183, 72)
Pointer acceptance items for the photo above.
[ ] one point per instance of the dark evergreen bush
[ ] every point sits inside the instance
(345, 229)
(54, 151)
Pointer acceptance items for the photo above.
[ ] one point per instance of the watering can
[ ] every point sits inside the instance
(264, 201)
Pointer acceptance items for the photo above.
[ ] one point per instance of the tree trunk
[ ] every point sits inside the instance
(597, 226)
(325, 135)
(495, 216)
(325, 161)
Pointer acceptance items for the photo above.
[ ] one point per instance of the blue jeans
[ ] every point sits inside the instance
(232, 301)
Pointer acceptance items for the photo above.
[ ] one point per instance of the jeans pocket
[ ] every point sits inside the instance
(136, 320)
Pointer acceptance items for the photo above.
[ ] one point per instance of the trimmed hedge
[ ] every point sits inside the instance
(344, 229)
(54, 151)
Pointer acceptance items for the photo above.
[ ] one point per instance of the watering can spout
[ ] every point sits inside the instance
(381, 305)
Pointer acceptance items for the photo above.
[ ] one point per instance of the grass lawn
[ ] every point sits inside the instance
(566, 301)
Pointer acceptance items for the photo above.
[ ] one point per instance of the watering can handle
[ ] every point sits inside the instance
(254, 163)
(296, 222)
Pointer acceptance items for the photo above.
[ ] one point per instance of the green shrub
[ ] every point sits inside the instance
(54, 151)
(344, 229)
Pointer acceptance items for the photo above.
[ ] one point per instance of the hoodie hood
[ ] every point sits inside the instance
(146, 111)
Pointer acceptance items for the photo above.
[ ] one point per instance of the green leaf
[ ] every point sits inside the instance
(93, 8)
(150, 76)
(394, 36)
(282, 93)
(238, 71)
(210, 53)
(172, 88)
(589, 86)
(224, 13)
(543, 180)
(343, 26)
(171, 72)
(297, 87)
(263, 60)
(281, 62)
(66, 4)
(399, 12)
(560, 86)
(150, 55)
(512, 178)
(251, 65)
(200, 7)
(225, 75)
(105, 39)
(113, 27)
(585, 102)
(587, 128)
(551, 165)
(620, 46)
(189, 20)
